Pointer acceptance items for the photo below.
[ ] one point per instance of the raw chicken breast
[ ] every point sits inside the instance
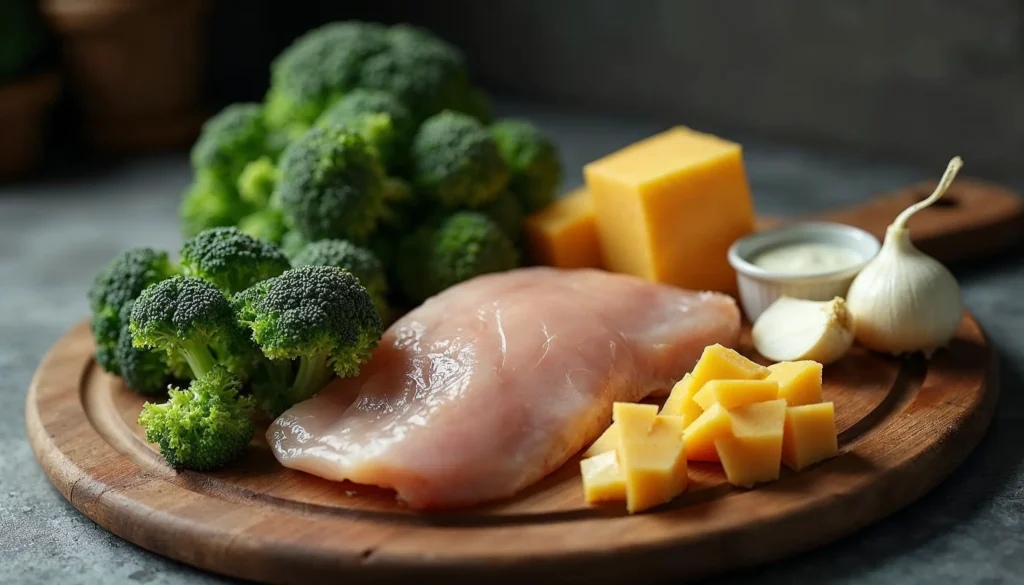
(496, 382)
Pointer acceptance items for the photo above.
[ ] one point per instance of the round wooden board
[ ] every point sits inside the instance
(904, 425)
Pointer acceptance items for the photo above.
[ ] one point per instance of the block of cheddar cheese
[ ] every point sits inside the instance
(809, 435)
(752, 453)
(699, 438)
(669, 207)
(651, 455)
(602, 479)
(799, 382)
(736, 393)
(564, 234)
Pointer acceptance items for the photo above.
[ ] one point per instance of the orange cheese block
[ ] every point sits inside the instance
(753, 452)
(564, 234)
(699, 438)
(602, 479)
(651, 455)
(736, 393)
(717, 362)
(799, 382)
(809, 435)
(669, 207)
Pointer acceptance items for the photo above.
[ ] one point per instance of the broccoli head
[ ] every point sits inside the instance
(191, 320)
(532, 159)
(507, 212)
(121, 281)
(320, 316)
(257, 180)
(210, 203)
(362, 263)
(456, 162)
(145, 371)
(380, 118)
(318, 68)
(331, 185)
(230, 259)
(229, 141)
(464, 245)
(205, 426)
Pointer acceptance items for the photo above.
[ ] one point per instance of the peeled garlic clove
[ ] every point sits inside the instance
(796, 329)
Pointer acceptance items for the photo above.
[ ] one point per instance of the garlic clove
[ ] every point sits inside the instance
(796, 329)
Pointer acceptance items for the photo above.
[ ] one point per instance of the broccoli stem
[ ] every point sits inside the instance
(312, 376)
(199, 358)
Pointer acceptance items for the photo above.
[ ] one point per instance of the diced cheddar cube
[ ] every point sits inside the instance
(717, 362)
(669, 207)
(608, 441)
(651, 455)
(736, 393)
(680, 400)
(810, 435)
(564, 234)
(799, 382)
(602, 479)
(699, 438)
(753, 452)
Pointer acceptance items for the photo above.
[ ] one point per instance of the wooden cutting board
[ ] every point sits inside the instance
(904, 425)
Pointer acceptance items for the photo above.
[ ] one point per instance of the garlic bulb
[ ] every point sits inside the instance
(796, 329)
(905, 301)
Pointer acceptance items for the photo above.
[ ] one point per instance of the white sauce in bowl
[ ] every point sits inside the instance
(807, 258)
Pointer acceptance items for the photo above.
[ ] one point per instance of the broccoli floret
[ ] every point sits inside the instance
(205, 426)
(209, 203)
(380, 118)
(257, 180)
(117, 284)
(143, 371)
(464, 245)
(267, 225)
(229, 141)
(318, 315)
(191, 320)
(456, 162)
(318, 68)
(362, 263)
(533, 161)
(507, 212)
(230, 259)
(331, 186)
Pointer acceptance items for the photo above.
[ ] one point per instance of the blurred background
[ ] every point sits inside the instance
(914, 80)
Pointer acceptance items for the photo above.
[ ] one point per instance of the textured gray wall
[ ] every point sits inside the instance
(920, 79)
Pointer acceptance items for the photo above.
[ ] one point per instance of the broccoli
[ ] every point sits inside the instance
(266, 224)
(456, 162)
(316, 69)
(231, 259)
(229, 141)
(331, 185)
(464, 245)
(256, 181)
(318, 315)
(507, 212)
(117, 284)
(205, 426)
(532, 159)
(210, 203)
(362, 263)
(144, 371)
(380, 118)
(191, 320)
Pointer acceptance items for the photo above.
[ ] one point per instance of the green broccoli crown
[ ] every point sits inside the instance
(331, 185)
(466, 244)
(230, 140)
(117, 284)
(533, 160)
(507, 212)
(380, 118)
(210, 203)
(317, 68)
(362, 263)
(257, 180)
(231, 259)
(267, 225)
(205, 426)
(456, 162)
(190, 319)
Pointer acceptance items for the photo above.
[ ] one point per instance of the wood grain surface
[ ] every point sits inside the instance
(904, 425)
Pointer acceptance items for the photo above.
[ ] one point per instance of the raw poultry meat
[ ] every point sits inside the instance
(498, 381)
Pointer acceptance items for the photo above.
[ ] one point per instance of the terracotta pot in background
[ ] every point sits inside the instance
(134, 67)
(25, 107)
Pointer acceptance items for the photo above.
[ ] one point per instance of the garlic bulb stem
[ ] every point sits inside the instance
(947, 179)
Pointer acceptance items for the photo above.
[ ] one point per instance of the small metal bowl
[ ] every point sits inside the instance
(759, 288)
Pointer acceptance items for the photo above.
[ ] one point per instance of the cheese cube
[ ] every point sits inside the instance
(669, 207)
(564, 234)
(799, 382)
(699, 438)
(602, 479)
(651, 455)
(810, 435)
(716, 363)
(736, 393)
(680, 400)
(753, 452)
(608, 441)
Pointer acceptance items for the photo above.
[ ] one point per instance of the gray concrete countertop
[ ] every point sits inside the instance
(55, 234)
